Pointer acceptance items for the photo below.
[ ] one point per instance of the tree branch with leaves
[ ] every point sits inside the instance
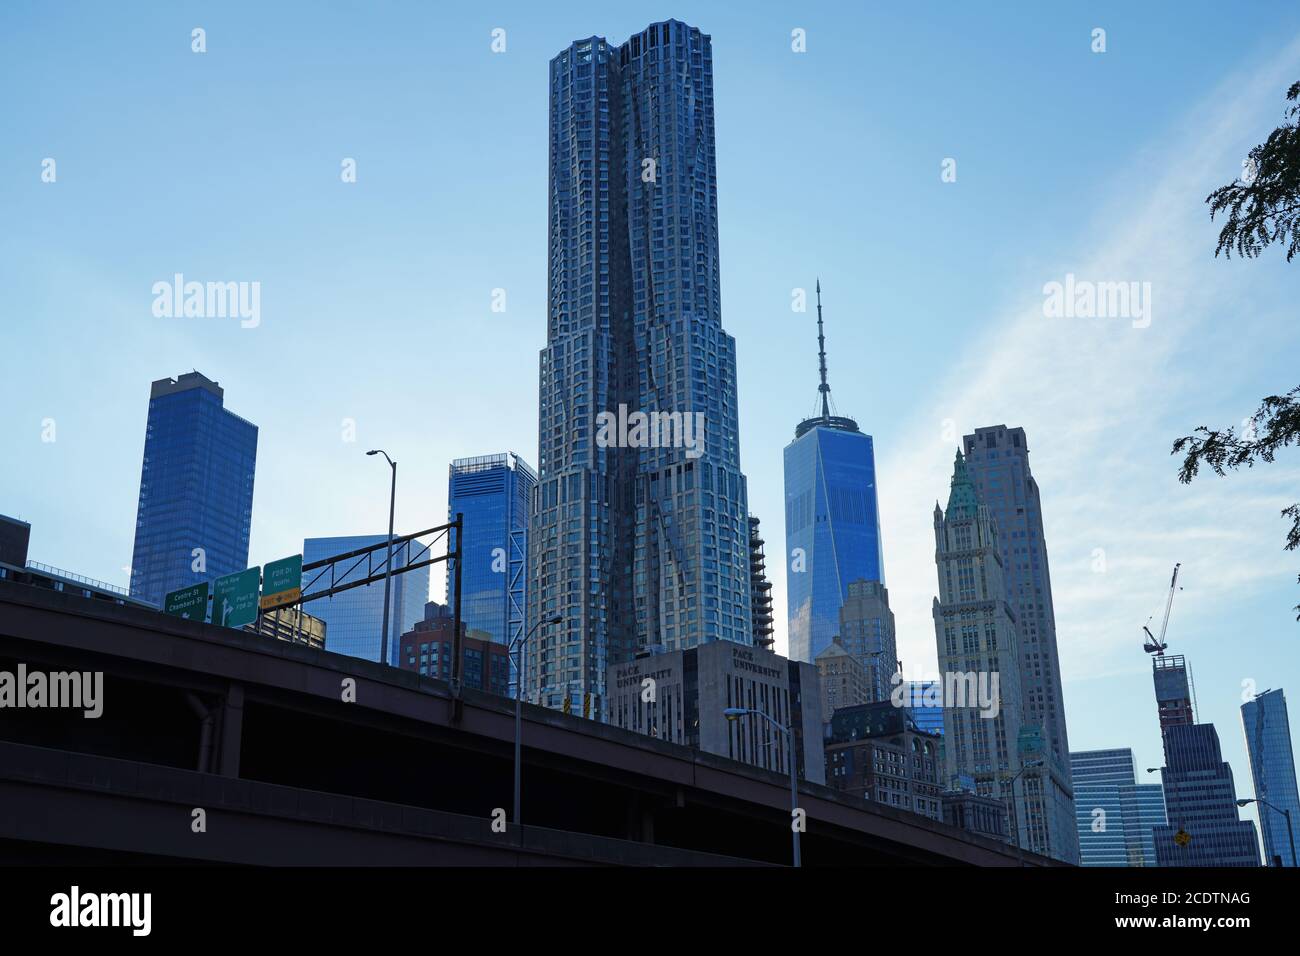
(1263, 207)
(1274, 426)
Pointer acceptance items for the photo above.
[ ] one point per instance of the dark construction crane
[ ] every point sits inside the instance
(1153, 644)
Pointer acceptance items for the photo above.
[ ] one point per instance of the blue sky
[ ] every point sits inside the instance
(376, 296)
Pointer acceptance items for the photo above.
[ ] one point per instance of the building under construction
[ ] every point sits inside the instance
(1203, 828)
(760, 588)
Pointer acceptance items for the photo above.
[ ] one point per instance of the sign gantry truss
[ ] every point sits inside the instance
(333, 575)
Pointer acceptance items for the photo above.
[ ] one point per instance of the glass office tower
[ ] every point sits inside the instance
(924, 698)
(1200, 796)
(1115, 814)
(354, 619)
(1201, 801)
(1144, 810)
(639, 536)
(832, 523)
(494, 493)
(1272, 765)
(195, 510)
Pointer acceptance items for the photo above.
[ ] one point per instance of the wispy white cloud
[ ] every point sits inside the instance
(1101, 402)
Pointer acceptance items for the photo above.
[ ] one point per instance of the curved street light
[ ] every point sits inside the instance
(1286, 813)
(735, 713)
(521, 640)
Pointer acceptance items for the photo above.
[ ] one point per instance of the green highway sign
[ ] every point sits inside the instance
(234, 598)
(190, 603)
(283, 581)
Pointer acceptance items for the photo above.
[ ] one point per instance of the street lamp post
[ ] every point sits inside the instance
(519, 692)
(735, 713)
(388, 568)
(1285, 813)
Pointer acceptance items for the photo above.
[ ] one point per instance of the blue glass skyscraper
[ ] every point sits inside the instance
(1272, 765)
(640, 536)
(195, 510)
(354, 619)
(494, 493)
(1116, 815)
(832, 522)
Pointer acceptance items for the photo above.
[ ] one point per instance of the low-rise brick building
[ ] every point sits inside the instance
(427, 648)
(876, 752)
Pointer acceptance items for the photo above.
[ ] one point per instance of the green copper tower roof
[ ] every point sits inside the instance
(962, 500)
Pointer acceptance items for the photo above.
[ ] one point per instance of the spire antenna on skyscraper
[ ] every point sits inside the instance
(824, 387)
(824, 417)
(833, 521)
